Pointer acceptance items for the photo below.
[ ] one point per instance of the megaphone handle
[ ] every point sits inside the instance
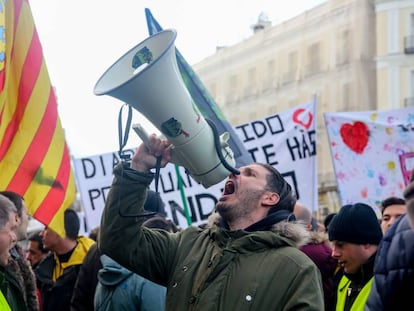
(142, 133)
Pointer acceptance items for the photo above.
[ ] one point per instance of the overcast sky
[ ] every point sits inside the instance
(82, 38)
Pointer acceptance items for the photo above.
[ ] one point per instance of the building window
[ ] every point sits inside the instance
(233, 83)
(409, 101)
(409, 40)
(344, 46)
(292, 67)
(271, 69)
(271, 76)
(293, 61)
(251, 81)
(232, 89)
(313, 59)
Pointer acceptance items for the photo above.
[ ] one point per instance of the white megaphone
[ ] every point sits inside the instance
(148, 79)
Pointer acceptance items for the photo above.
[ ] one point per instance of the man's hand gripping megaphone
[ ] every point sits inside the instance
(145, 158)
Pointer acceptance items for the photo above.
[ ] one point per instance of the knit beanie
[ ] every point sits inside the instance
(356, 224)
(72, 224)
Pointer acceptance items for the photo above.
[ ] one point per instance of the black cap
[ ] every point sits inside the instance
(72, 224)
(357, 224)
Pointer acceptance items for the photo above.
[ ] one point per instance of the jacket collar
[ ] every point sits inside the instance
(273, 231)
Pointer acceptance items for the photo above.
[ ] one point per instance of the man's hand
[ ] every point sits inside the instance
(145, 158)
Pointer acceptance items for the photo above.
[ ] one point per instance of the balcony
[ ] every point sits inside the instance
(409, 102)
(409, 44)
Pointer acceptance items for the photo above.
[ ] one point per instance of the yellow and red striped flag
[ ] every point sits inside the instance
(34, 157)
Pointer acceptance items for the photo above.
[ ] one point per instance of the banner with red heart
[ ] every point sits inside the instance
(372, 153)
(355, 136)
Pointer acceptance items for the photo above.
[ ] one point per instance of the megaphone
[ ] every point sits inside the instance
(148, 79)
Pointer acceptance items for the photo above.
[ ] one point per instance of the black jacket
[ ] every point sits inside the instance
(55, 296)
(84, 292)
(394, 270)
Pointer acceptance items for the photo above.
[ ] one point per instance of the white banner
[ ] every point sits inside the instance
(286, 140)
(372, 153)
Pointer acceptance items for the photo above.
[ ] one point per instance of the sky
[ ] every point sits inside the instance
(83, 38)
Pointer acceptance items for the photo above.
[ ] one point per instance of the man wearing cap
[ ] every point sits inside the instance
(249, 261)
(57, 273)
(355, 233)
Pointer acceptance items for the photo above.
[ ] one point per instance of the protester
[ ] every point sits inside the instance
(94, 234)
(328, 220)
(22, 217)
(391, 209)
(409, 197)
(355, 233)
(319, 250)
(35, 251)
(121, 289)
(393, 270)
(394, 264)
(18, 267)
(57, 273)
(11, 297)
(250, 262)
(85, 287)
(87, 280)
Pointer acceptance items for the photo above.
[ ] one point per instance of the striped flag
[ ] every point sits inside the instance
(34, 157)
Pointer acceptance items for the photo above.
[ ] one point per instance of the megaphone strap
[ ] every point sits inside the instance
(123, 135)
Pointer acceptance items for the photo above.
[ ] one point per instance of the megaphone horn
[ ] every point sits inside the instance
(148, 79)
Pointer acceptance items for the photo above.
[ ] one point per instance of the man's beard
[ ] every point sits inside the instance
(246, 203)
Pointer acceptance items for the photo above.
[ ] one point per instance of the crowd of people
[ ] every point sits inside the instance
(261, 250)
(70, 272)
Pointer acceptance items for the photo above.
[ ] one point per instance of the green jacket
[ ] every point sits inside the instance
(210, 269)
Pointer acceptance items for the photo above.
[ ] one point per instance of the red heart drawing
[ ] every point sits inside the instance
(355, 136)
(303, 119)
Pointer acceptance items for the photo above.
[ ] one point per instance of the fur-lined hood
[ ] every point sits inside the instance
(317, 237)
(19, 269)
(293, 231)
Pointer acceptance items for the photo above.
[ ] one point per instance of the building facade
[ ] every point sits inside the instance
(395, 53)
(328, 52)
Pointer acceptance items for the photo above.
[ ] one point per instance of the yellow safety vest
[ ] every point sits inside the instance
(360, 300)
(4, 305)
